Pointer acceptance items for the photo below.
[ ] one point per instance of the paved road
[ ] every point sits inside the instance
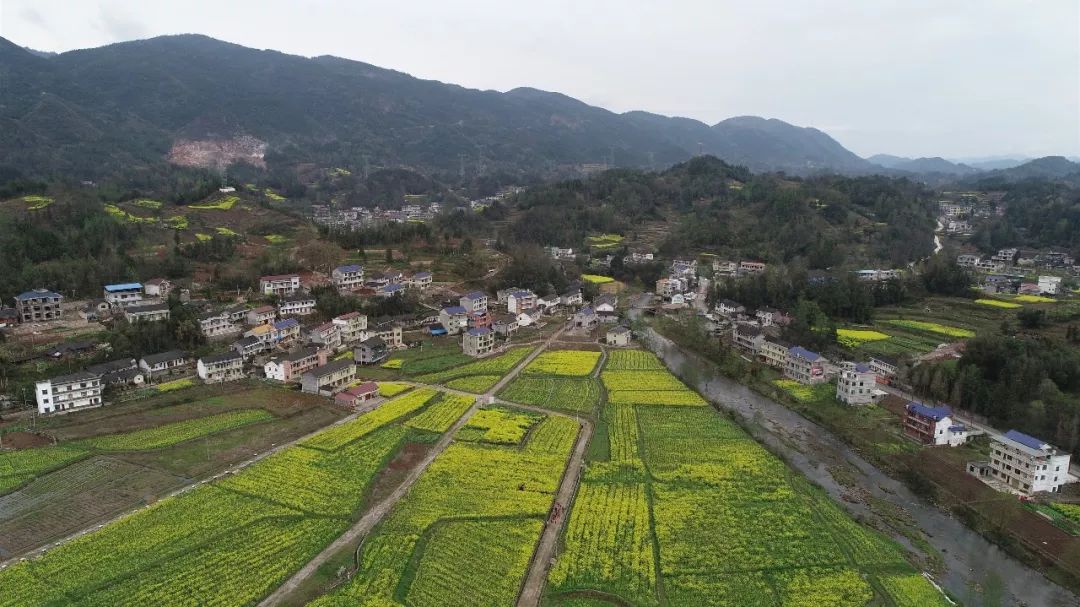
(366, 523)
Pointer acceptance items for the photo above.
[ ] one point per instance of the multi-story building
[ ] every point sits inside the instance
(163, 364)
(729, 308)
(250, 345)
(285, 331)
(747, 336)
(454, 319)
(326, 335)
(479, 341)
(353, 325)
(371, 351)
(774, 352)
(39, 305)
(330, 377)
(221, 367)
(884, 368)
(856, 383)
(157, 287)
(804, 366)
(1049, 285)
(290, 367)
(297, 305)
(967, 261)
(618, 336)
(751, 267)
(1028, 465)
(124, 294)
(218, 325)
(474, 302)
(261, 315)
(420, 280)
(1005, 256)
(282, 285)
(348, 277)
(390, 334)
(666, 287)
(934, 425)
(69, 392)
(147, 312)
(518, 301)
(605, 307)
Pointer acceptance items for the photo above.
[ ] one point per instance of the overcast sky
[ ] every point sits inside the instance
(954, 78)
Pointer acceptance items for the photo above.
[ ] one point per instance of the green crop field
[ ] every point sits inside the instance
(571, 363)
(570, 394)
(495, 365)
(232, 541)
(681, 508)
(465, 532)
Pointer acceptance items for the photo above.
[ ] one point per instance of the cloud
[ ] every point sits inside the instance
(119, 26)
(30, 15)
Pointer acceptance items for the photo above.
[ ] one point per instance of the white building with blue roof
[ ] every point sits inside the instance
(123, 294)
(1028, 465)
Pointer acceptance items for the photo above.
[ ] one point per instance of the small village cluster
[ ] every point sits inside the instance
(1007, 271)
(416, 209)
(1019, 463)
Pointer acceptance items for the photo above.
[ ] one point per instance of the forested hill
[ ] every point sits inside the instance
(120, 109)
(708, 205)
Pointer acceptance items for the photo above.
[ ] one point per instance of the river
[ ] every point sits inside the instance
(970, 560)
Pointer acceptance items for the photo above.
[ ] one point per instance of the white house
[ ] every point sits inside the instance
(618, 336)
(222, 367)
(856, 384)
(454, 319)
(327, 335)
(353, 326)
(1049, 285)
(519, 301)
(165, 363)
(1028, 465)
(475, 302)
(297, 305)
(729, 308)
(348, 277)
(420, 280)
(290, 367)
(147, 312)
(282, 285)
(123, 294)
(217, 325)
(157, 287)
(934, 425)
(69, 392)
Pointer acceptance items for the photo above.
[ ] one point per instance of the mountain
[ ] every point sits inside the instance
(990, 163)
(771, 144)
(922, 166)
(193, 100)
(1048, 167)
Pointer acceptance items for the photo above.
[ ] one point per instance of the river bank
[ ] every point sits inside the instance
(971, 568)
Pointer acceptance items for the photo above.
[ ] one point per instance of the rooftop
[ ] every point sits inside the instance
(478, 331)
(1026, 440)
(353, 267)
(154, 307)
(288, 323)
(221, 357)
(454, 310)
(278, 277)
(331, 367)
(124, 286)
(935, 413)
(804, 353)
(153, 359)
(74, 377)
(35, 293)
(475, 295)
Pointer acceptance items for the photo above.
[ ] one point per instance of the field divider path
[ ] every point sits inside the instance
(536, 578)
(380, 510)
(188, 487)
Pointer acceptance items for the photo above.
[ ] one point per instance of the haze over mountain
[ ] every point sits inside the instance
(922, 165)
(200, 101)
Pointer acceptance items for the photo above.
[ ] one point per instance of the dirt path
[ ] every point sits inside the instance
(380, 510)
(549, 539)
(541, 562)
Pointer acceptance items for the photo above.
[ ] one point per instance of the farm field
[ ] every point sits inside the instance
(229, 542)
(679, 507)
(570, 394)
(97, 470)
(569, 363)
(495, 365)
(466, 530)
